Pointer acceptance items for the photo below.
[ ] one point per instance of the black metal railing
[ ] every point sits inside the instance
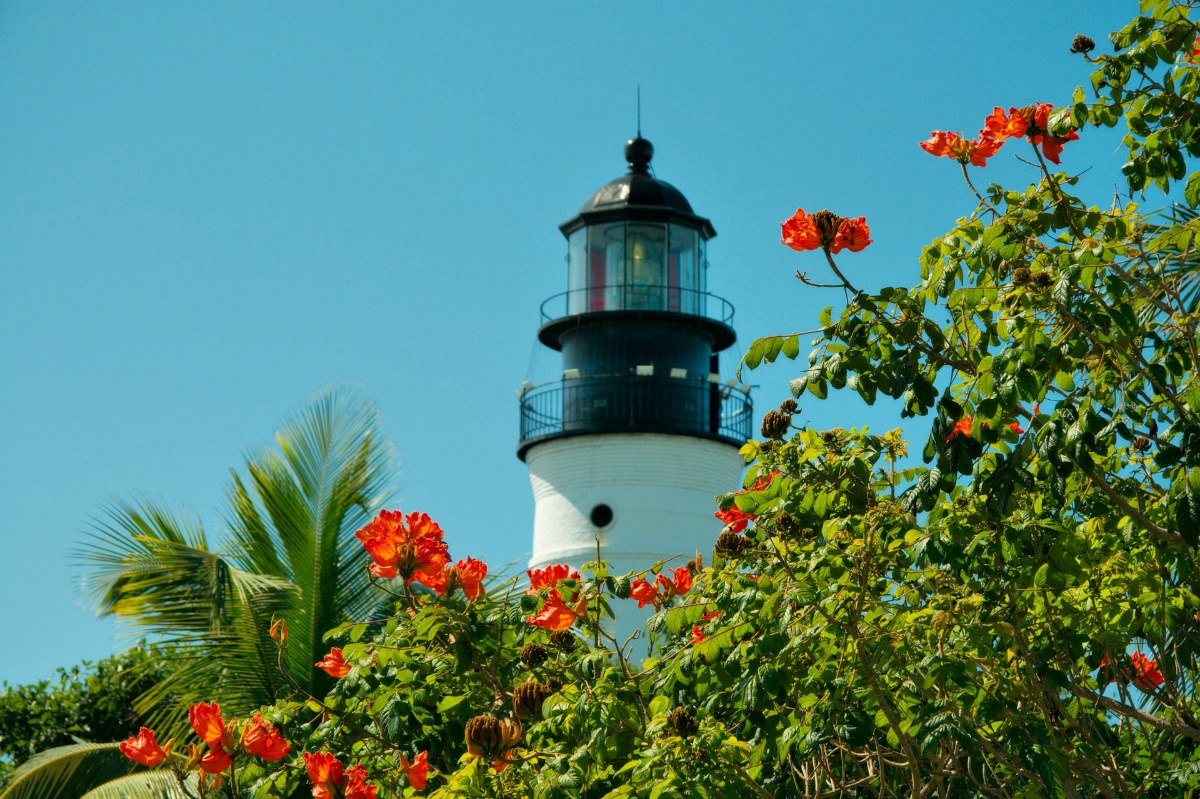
(635, 403)
(633, 297)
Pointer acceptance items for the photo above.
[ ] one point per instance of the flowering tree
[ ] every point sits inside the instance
(1017, 617)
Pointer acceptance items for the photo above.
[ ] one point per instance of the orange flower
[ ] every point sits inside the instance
(963, 426)
(1052, 145)
(404, 545)
(1001, 126)
(761, 483)
(333, 664)
(355, 784)
(260, 738)
(417, 770)
(1146, 675)
(554, 615)
(382, 536)
(142, 748)
(698, 636)
(423, 527)
(682, 580)
(939, 143)
(643, 592)
(470, 576)
(735, 519)
(549, 577)
(852, 235)
(206, 720)
(1195, 56)
(215, 761)
(800, 233)
(952, 145)
(326, 773)
(1016, 427)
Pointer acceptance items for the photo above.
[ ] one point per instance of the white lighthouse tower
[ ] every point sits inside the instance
(631, 444)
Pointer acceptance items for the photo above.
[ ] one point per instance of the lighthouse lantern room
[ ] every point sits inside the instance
(627, 449)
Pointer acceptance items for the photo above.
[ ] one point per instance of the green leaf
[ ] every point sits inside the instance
(1191, 190)
(448, 703)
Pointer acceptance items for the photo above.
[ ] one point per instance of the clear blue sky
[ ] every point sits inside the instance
(208, 211)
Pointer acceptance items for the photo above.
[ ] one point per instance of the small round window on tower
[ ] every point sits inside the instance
(602, 515)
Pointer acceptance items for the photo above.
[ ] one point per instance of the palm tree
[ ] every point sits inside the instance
(288, 552)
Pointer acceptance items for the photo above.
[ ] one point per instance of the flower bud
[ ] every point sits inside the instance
(775, 424)
(528, 698)
(786, 525)
(533, 655)
(563, 639)
(279, 631)
(682, 722)
(1082, 44)
(827, 224)
(729, 543)
(490, 738)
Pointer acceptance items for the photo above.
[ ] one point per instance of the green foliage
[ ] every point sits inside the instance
(963, 628)
(89, 702)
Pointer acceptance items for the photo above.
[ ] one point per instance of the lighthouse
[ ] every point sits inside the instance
(627, 448)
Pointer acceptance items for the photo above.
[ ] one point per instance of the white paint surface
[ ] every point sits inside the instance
(660, 488)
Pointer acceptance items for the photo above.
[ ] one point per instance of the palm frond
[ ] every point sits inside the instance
(330, 470)
(68, 772)
(157, 784)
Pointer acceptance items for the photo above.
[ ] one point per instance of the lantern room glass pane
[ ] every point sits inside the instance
(682, 267)
(645, 266)
(577, 272)
(606, 263)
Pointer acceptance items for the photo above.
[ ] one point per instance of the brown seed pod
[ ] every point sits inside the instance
(682, 722)
(533, 655)
(1082, 44)
(1141, 443)
(555, 684)
(775, 424)
(563, 639)
(528, 698)
(1043, 280)
(787, 406)
(1020, 276)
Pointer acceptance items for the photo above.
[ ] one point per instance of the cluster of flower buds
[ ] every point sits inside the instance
(528, 698)
(825, 230)
(489, 738)
(1032, 122)
(412, 547)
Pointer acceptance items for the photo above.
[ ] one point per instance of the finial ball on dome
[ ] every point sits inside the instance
(638, 153)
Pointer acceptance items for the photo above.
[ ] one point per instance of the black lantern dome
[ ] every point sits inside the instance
(638, 331)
